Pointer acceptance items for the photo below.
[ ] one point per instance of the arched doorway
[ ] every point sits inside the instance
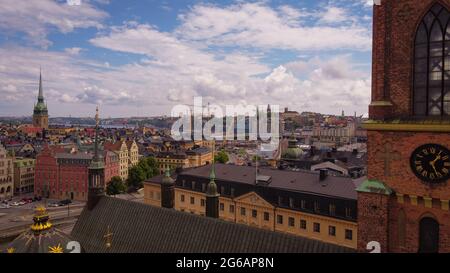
(428, 235)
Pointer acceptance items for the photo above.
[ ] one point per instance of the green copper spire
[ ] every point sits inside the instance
(97, 163)
(167, 179)
(211, 190)
(40, 108)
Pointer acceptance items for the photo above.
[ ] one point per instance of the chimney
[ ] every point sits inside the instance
(334, 150)
(167, 191)
(323, 174)
(312, 151)
(355, 151)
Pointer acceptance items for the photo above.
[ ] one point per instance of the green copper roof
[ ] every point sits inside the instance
(374, 186)
(40, 107)
(167, 179)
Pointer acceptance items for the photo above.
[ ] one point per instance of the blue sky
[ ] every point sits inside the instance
(142, 57)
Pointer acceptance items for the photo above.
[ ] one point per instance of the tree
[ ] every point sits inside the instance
(256, 158)
(149, 166)
(116, 186)
(136, 177)
(221, 157)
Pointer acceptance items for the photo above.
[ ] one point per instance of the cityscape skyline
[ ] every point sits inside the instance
(96, 53)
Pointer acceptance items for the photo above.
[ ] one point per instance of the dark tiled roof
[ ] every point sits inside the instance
(304, 181)
(140, 228)
(198, 151)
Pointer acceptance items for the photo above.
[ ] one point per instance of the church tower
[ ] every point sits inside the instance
(40, 113)
(96, 173)
(404, 204)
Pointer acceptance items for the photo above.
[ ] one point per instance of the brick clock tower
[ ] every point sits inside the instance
(404, 204)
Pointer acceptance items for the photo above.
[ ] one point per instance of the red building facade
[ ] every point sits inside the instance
(60, 174)
(404, 204)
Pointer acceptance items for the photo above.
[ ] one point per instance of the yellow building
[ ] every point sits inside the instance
(24, 175)
(331, 219)
(183, 159)
(171, 160)
(133, 153)
(6, 174)
(120, 148)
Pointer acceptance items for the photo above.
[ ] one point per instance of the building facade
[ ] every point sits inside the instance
(40, 113)
(195, 157)
(404, 206)
(24, 175)
(6, 174)
(283, 201)
(60, 174)
(128, 152)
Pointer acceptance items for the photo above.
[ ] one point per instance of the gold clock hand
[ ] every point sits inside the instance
(434, 161)
(434, 168)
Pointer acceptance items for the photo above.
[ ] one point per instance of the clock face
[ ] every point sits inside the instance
(431, 163)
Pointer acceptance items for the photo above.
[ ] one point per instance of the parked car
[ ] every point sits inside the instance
(27, 200)
(65, 202)
(54, 204)
(4, 206)
(37, 198)
(16, 204)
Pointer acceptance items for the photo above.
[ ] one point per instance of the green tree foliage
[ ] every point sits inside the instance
(149, 166)
(136, 177)
(221, 157)
(256, 157)
(145, 169)
(116, 186)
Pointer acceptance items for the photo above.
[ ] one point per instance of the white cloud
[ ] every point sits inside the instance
(334, 15)
(255, 25)
(73, 50)
(175, 67)
(36, 18)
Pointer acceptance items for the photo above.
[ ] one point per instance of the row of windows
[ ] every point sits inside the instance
(292, 202)
(280, 219)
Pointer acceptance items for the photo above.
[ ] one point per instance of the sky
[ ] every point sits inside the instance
(143, 57)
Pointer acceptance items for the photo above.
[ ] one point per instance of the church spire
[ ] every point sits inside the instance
(96, 173)
(212, 196)
(41, 91)
(96, 158)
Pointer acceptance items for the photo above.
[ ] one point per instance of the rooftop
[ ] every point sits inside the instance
(139, 228)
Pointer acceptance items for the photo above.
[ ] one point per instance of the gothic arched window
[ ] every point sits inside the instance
(432, 64)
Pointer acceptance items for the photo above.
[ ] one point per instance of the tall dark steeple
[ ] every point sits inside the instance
(167, 191)
(96, 173)
(212, 196)
(41, 91)
(40, 112)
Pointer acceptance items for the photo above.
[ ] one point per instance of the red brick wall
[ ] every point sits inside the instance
(373, 211)
(46, 173)
(402, 179)
(77, 177)
(413, 216)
